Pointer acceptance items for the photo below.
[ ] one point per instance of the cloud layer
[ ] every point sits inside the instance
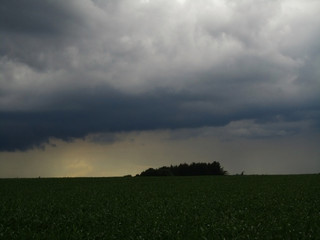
(69, 69)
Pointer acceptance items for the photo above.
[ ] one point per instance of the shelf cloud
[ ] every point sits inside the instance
(69, 69)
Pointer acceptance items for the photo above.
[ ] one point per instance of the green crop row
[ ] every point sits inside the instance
(209, 207)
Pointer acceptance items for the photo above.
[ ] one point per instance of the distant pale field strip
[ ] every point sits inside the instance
(210, 207)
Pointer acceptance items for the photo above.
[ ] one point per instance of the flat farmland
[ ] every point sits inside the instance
(208, 207)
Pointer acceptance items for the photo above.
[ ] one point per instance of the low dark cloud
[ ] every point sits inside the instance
(118, 112)
(69, 69)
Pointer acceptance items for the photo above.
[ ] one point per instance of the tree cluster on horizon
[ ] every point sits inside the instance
(193, 169)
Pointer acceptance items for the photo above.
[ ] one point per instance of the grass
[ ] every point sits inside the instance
(231, 207)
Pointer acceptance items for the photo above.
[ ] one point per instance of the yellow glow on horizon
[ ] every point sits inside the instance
(136, 151)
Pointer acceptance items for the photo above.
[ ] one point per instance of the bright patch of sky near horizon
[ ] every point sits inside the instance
(134, 152)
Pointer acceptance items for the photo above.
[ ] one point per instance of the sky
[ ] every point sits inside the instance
(113, 87)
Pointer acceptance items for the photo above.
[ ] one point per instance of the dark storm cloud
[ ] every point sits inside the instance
(113, 113)
(119, 112)
(72, 68)
(37, 32)
(37, 17)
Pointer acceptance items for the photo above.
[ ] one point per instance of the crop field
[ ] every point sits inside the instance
(209, 207)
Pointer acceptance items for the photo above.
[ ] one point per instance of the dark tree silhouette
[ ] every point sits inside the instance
(194, 169)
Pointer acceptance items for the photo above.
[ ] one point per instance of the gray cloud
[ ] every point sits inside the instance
(69, 69)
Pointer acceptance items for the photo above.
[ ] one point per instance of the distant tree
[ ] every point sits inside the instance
(148, 172)
(184, 169)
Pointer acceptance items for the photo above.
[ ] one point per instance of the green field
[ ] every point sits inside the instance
(215, 207)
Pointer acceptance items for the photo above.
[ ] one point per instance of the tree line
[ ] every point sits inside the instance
(193, 169)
